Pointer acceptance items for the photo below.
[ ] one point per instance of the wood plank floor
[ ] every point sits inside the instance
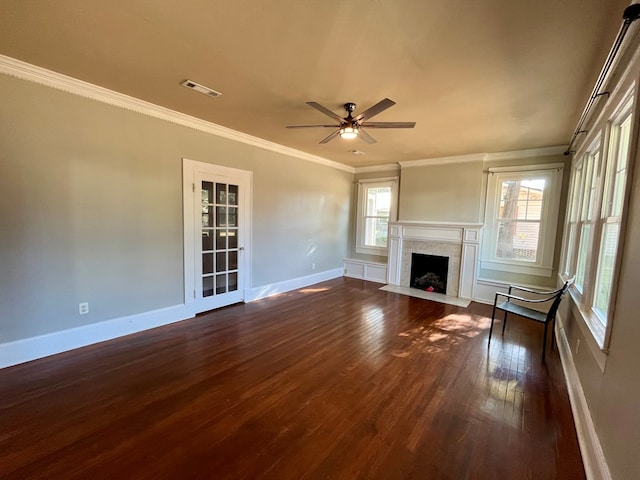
(339, 380)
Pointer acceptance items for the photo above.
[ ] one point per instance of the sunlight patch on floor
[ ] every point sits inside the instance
(314, 290)
(460, 323)
(442, 334)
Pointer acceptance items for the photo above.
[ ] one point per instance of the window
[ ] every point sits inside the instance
(521, 218)
(377, 200)
(595, 213)
(572, 220)
(611, 217)
(585, 222)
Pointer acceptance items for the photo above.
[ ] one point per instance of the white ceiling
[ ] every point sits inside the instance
(481, 76)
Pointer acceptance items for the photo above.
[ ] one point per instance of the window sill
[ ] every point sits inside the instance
(536, 270)
(596, 329)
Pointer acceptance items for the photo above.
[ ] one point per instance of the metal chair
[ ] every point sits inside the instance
(508, 306)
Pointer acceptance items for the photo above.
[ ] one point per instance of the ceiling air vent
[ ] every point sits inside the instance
(200, 88)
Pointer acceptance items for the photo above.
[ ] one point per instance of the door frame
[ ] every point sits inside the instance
(189, 169)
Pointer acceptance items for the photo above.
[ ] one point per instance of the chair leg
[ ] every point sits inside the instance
(504, 322)
(553, 334)
(544, 341)
(493, 316)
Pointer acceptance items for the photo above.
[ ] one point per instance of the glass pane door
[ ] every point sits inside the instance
(219, 231)
(217, 210)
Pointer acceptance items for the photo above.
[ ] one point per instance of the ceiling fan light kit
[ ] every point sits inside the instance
(349, 132)
(350, 127)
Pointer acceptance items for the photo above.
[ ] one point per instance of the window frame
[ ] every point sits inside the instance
(361, 213)
(604, 129)
(607, 215)
(591, 162)
(543, 265)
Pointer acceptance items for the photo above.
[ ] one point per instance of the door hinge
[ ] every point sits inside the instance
(193, 187)
(194, 294)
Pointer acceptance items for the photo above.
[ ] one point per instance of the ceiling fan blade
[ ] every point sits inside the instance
(330, 137)
(381, 106)
(311, 126)
(366, 137)
(389, 124)
(326, 111)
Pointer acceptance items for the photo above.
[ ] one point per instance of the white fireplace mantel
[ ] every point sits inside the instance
(443, 235)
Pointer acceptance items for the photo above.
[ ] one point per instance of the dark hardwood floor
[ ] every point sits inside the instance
(339, 380)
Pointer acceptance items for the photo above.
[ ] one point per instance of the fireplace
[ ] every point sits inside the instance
(459, 243)
(429, 272)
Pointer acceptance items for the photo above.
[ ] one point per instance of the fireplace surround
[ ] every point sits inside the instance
(460, 242)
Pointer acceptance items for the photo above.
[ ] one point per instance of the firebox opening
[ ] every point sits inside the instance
(429, 272)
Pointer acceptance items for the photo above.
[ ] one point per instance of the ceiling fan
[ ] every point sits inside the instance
(352, 127)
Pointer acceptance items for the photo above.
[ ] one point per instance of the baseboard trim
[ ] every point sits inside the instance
(33, 348)
(253, 294)
(27, 349)
(595, 464)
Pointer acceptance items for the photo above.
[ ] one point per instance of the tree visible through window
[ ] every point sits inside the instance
(519, 217)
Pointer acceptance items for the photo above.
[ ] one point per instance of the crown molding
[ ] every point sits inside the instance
(474, 157)
(486, 157)
(26, 71)
(387, 167)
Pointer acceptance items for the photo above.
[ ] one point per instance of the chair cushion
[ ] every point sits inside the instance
(530, 313)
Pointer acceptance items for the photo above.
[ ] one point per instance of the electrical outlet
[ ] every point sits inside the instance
(313, 266)
(83, 308)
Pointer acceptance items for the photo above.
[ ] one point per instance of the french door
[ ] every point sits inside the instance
(216, 253)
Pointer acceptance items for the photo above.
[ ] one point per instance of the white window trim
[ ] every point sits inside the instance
(619, 101)
(543, 266)
(361, 211)
(597, 149)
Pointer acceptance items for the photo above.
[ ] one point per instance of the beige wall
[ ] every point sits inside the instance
(441, 193)
(91, 210)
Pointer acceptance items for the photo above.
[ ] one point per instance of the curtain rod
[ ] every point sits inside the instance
(631, 14)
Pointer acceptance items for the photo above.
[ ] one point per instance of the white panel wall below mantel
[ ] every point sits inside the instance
(364, 270)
